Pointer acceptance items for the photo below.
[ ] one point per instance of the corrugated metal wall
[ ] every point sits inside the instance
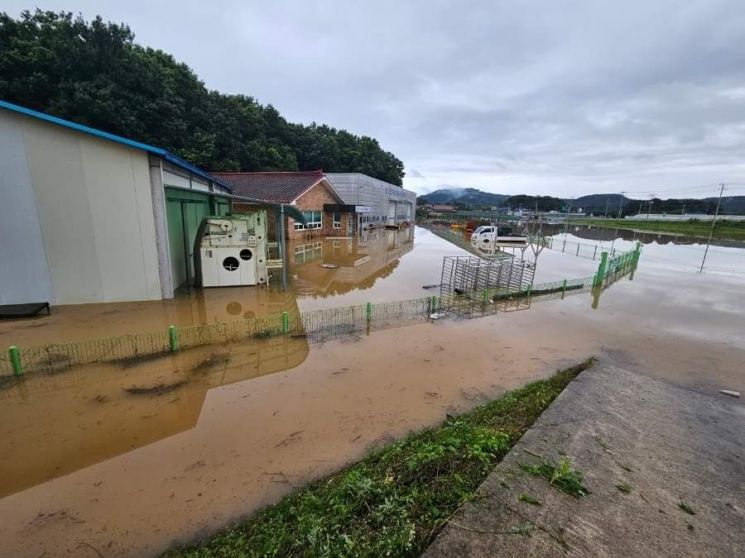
(360, 189)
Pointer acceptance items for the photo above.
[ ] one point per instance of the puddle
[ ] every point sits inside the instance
(215, 433)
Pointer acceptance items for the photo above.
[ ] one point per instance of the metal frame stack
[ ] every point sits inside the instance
(472, 277)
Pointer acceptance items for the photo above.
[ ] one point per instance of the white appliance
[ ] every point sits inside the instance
(233, 250)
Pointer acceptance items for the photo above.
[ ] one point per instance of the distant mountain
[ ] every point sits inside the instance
(734, 205)
(597, 204)
(463, 196)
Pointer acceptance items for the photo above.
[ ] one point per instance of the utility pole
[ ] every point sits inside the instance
(649, 207)
(607, 201)
(620, 213)
(566, 220)
(713, 224)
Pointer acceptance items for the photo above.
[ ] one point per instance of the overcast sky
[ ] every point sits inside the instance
(553, 96)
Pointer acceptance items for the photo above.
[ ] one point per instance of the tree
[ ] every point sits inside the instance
(95, 74)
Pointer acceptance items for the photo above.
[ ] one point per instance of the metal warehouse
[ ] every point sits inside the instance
(88, 216)
(376, 202)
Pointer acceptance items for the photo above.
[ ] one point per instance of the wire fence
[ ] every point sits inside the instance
(316, 326)
(579, 249)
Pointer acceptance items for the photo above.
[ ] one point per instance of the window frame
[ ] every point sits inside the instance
(311, 223)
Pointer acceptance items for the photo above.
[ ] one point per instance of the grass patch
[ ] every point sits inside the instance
(561, 476)
(731, 230)
(528, 499)
(624, 487)
(686, 508)
(396, 500)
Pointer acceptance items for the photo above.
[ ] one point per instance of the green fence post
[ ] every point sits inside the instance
(285, 322)
(563, 289)
(602, 268)
(433, 305)
(15, 360)
(368, 310)
(173, 338)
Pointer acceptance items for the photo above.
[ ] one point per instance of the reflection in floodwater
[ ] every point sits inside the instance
(317, 269)
(56, 424)
(335, 266)
(75, 418)
(607, 234)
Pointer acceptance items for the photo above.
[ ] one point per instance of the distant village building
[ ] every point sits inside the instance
(89, 216)
(442, 208)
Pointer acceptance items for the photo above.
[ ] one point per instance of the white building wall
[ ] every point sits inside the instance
(24, 276)
(95, 212)
(122, 216)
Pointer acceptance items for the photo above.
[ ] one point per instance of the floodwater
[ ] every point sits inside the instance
(128, 460)
(322, 272)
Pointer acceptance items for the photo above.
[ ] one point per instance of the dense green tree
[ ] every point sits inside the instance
(94, 73)
(542, 203)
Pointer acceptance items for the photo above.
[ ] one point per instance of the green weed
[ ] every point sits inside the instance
(562, 476)
(528, 499)
(686, 508)
(396, 500)
(624, 487)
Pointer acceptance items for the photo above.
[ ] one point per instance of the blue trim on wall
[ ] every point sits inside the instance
(160, 152)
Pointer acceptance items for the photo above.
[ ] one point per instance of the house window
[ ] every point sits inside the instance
(337, 219)
(313, 219)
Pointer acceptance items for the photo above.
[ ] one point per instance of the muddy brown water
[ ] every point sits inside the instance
(90, 465)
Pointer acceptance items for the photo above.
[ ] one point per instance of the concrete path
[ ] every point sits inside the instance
(670, 445)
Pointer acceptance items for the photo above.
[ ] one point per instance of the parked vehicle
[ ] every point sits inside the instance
(493, 236)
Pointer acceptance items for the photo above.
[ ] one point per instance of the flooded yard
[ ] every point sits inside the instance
(128, 459)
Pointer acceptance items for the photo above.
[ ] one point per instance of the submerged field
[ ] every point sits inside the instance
(135, 458)
(396, 500)
(723, 229)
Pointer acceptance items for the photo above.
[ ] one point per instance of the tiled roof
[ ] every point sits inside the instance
(276, 187)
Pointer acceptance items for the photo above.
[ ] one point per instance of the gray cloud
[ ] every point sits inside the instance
(536, 96)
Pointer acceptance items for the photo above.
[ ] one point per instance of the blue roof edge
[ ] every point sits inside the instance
(167, 155)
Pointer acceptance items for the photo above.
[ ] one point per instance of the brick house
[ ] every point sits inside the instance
(310, 192)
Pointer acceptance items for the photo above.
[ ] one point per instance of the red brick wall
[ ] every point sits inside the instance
(314, 199)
